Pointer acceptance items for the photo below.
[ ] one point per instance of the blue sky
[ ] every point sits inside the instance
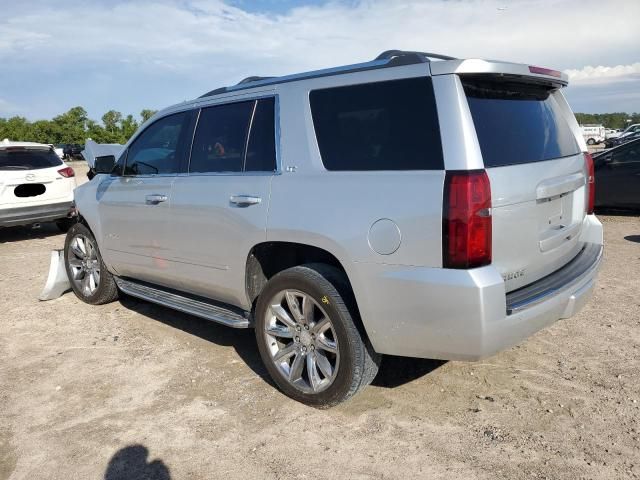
(124, 55)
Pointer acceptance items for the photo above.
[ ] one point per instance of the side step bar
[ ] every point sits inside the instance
(185, 304)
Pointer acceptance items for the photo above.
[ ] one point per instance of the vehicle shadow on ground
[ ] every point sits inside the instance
(394, 371)
(242, 340)
(633, 238)
(18, 234)
(131, 463)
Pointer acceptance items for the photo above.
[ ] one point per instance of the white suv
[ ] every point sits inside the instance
(404, 206)
(35, 185)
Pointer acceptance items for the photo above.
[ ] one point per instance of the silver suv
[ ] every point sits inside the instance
(415, 205)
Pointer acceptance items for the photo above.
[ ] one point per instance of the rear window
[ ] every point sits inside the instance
(378, 126)
(26, 159)
(517, 123)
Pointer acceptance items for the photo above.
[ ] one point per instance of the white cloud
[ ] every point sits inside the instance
(603, 73)
(112, 49)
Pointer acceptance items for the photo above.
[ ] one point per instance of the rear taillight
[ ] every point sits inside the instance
(67, 172)
(591, 183)
(466, 225)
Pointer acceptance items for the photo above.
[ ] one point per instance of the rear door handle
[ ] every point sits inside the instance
(244, 200)
(155, 199)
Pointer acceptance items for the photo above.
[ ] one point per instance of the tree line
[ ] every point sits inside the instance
(609, 120)
(73, 126)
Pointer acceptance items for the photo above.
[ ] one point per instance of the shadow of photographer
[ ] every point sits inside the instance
(131, 463)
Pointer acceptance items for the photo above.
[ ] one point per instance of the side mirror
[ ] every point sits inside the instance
(104, 164)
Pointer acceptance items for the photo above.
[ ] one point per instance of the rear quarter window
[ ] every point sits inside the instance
(389, 125)
(517, 123)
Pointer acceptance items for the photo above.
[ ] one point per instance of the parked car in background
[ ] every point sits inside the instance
(627, 134)
(618, 176)
(35, 185)
(59, 149)
(622, 139)
(612, 133)
(73, 151)
(415, 205)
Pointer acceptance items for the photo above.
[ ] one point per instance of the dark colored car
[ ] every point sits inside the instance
(614, 142)
(72, 151)
(618, 176)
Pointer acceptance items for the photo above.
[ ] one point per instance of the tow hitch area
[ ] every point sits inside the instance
(57, 280)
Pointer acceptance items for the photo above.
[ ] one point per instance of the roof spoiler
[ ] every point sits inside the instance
(496, 67)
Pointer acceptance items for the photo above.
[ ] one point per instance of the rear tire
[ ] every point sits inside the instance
(88, 275)
(308, 336)
(591, 141)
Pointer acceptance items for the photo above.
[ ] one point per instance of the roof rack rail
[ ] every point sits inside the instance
(390, 58)
(402, 57)
(253, 79)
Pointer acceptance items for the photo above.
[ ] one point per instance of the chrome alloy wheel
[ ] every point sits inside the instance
(302, 341)
(84, 265)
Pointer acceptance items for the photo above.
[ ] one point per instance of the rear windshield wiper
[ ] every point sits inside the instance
(13, 167)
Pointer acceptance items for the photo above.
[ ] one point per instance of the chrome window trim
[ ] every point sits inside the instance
(241, 99)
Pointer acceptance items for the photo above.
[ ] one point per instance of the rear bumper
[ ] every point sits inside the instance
(465, 314)
(11, 217)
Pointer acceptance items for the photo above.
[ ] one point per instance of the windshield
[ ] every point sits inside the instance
(27, 159)
(517, 123)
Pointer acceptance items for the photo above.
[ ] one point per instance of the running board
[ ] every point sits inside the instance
(185, 304)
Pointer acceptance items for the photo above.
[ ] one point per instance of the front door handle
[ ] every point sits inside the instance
(244, 200)
(155, 199)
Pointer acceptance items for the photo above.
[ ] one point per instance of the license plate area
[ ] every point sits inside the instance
(556, 222)
(29, 190)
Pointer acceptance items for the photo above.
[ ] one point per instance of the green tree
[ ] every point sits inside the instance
(96, 132)
(609, 120)
(72, 126)
(16, 128)
(128, 127)
(146, 114)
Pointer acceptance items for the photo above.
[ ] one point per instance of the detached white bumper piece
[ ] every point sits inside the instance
(57, 280)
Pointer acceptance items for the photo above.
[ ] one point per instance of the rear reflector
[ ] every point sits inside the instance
(591, 183)
(545, 71)
(67, 172)
(466, 228)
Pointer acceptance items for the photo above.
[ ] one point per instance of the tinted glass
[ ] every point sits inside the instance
(159, 149)
(629, 153)
(516, 123)
(220, 139)
(378, 126)
(261, 150)
(23, 159)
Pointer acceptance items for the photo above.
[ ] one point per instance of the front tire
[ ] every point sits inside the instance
(88, 275)
(591, 141)
(308, 338)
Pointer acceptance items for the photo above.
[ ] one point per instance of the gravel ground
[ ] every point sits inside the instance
(131, 390)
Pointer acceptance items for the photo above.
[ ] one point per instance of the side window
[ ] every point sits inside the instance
(158, 150)
(261, 149)
(389, 125)
(628, 153)
(220, 139)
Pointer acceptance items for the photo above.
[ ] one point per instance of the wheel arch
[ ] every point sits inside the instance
(268, 258)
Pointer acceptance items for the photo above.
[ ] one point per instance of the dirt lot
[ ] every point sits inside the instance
(132, 390)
